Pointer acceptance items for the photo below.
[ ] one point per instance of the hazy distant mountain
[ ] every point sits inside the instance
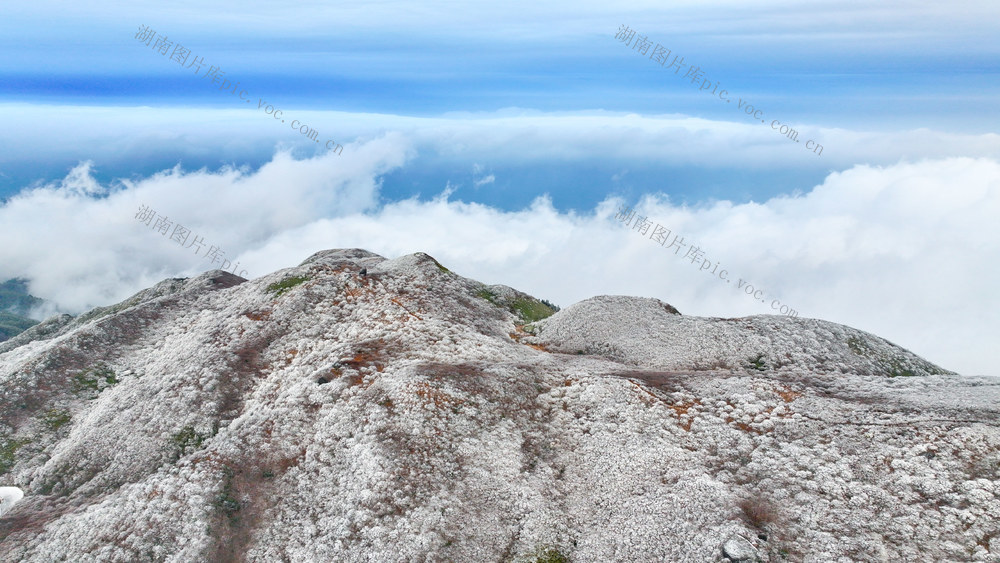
(11, 325)
(355, 408)
(15, 303)
(14, 297)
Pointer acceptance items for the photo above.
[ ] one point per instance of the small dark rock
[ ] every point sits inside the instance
(322, 380)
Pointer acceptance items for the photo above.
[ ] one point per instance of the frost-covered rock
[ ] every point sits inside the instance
(406, 414)
(739, 550)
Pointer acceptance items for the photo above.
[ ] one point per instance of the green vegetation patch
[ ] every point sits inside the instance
(226, 501)
(757, 363)
(893, 367)
(277, 288)
(551, 555)
(550, 305)
(8, 452)
(896, 369)
(531, 310)
(488, 295)
(97, 378)
(55, 419)
(188, 440)
(858, 346)
(440, 267)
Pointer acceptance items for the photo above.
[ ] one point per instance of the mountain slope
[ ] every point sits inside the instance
(355, 408)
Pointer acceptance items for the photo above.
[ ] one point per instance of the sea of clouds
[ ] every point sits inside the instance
(905, 249)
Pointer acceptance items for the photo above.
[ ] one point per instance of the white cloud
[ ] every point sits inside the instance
(81, 250)
(882, 249)
(9, 496)
(504, 137)
(485, 180)
(907, 251)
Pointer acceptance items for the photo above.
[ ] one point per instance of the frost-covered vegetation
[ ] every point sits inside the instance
(527, 308)
(8, 451)
(54, 419)
(279, 287)
(410, 414)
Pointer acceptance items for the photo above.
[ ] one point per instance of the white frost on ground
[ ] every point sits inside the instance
(322, 414)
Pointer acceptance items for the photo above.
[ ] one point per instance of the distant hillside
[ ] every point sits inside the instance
(15, 302)
(14, 297)
(12, 325)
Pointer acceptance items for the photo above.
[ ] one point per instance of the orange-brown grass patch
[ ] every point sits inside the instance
(747, 428)
(647, 396)
(787, 394)
(267, 429)
(439, 398)
(212, 458)
(683, 408)
(257, 315)
(364, 358)
(519, 334)
(396, 301)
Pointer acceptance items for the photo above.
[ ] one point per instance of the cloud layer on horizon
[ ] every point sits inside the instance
(908, 251)
(65, 135)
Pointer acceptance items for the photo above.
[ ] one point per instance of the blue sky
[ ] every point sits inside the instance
(896, 66)
(492, 106)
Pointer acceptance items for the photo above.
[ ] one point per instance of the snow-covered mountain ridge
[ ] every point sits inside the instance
(355, 408)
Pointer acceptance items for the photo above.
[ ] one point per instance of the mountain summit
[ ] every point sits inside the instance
(356, 408)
